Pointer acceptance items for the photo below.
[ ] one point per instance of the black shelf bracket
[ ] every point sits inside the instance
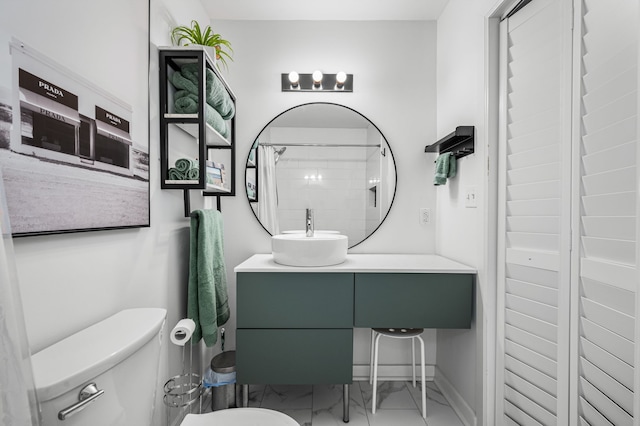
(461, 142)
(187, 202)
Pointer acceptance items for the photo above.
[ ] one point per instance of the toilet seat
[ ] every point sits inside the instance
(240, 417)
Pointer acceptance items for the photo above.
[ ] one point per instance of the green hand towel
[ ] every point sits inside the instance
(453, 166)
(185, 164)
(216, 94)
(207, 301)
(186, 103)
(193, 173)
(175, 174)
(445, 168)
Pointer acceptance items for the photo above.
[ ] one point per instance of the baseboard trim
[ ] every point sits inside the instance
(392, 372)
(459, 405)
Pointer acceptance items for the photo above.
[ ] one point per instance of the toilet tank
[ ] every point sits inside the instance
(120, 355)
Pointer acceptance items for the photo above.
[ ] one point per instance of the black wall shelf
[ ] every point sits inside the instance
(209, 143)
(461, 142)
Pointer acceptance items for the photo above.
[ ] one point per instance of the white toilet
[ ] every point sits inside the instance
(106, 375)
(240, 416)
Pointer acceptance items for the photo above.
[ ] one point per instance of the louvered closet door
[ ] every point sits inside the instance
(534, 257)
(608, 280)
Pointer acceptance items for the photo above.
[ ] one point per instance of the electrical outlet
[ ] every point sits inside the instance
(471, 201)
(425, 215)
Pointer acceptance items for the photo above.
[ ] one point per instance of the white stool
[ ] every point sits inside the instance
(397, 333)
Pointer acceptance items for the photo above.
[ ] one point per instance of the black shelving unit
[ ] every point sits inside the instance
(461, 142)
(194, 127)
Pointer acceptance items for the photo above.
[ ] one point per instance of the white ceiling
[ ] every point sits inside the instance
(325, 10)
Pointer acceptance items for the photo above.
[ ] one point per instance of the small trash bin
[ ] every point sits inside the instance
(222, 380)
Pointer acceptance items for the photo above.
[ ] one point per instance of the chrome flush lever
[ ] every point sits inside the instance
(87, 395)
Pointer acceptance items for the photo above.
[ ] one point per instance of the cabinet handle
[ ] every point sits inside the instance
(88, 394)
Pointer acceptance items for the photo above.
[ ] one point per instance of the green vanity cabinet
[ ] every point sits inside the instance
(413, 300)
(295, 324)
(294, 328)
(295, 300)
(294, 356)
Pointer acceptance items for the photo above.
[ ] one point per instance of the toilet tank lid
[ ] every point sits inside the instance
(90, 352)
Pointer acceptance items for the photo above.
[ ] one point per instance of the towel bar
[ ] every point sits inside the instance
(187, 203)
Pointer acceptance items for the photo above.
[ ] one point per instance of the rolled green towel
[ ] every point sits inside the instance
(193, 173)
(175, 174)
(183, 83)
(186, 103)
(216, 94)
(183, 165)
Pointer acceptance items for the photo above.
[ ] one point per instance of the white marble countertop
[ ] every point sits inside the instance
(416, 263)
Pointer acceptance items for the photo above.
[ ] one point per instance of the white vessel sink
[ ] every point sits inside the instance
(299, 250)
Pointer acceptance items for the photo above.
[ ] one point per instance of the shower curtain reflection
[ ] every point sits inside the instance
(268, 204)
(18, 403)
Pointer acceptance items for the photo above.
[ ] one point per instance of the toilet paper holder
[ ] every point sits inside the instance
(185, 389)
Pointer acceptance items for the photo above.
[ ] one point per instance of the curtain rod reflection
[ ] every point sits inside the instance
(336, 145)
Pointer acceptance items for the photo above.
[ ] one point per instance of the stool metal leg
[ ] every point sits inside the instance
(413, 359)
(345, 403)
(375, 373)
(422, 381)
(245, 395)
(373, 336)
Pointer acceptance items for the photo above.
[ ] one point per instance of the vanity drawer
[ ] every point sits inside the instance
(294, 300)
(298, 356)
(413, 300)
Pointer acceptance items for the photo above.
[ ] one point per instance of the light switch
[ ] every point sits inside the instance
(471, 201)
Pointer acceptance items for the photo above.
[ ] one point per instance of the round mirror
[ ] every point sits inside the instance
(325, 157)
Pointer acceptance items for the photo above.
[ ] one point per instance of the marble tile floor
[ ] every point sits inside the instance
(399, 404)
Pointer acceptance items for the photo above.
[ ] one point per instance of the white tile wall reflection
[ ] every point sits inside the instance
(335, 187)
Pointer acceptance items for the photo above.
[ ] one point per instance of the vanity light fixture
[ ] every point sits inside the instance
(317, 82)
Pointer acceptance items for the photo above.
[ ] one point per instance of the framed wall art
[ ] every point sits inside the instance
(74, 133)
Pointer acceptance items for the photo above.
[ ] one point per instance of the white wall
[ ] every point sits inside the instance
(462, 232)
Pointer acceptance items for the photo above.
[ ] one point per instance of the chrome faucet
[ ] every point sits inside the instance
(309, 222)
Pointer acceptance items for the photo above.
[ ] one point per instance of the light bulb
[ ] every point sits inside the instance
(341, 77)
(294, 78)
(317, 78)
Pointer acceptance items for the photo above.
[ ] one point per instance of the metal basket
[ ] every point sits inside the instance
(183, 390)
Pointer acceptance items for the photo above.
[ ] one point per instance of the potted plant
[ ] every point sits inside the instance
(184, 36)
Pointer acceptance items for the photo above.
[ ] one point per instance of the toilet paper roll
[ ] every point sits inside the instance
(182, 332)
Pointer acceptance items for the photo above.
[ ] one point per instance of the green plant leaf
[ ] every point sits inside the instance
(183, 35)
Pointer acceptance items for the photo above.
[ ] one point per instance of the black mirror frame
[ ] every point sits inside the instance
(395, 166)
